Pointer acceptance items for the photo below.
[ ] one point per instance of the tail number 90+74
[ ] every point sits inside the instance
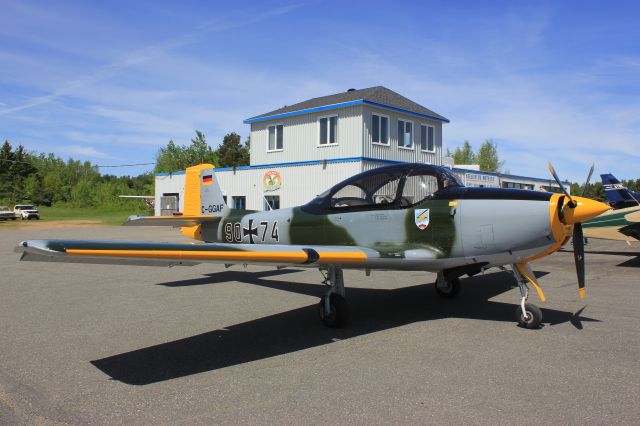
(234, 232)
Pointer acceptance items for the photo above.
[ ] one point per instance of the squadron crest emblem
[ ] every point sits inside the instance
(422, 218)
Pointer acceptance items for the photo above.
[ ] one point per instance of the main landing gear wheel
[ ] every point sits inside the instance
(533, 316)
(338, 311)
(449, 290)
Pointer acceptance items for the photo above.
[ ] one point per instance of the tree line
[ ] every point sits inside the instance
(46, 179)
(486, 156)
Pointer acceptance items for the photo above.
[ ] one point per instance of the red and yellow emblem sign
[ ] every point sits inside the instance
(271, 180)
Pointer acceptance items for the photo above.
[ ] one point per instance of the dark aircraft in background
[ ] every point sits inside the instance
(618, 195)
(622, 223)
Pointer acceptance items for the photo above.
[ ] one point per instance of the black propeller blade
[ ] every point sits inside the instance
(578, 255)
(584, 189)
(571, 203)
(578, 238)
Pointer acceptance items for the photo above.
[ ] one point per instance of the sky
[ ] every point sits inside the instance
(112, 82)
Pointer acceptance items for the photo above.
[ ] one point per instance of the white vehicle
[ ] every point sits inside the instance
(26, 211)
(6, 213)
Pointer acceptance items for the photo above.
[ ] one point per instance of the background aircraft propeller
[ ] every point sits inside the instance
(584, 188)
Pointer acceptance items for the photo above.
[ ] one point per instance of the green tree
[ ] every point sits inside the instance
(174, 157)
(231, 153)
(464, 155)
(488, 157)
(15, 167)
(594, 191)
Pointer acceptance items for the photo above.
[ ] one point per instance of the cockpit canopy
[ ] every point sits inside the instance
(394, 186)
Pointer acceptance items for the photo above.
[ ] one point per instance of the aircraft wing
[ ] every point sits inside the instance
(619, 225)
(169, 254)
(175, 221)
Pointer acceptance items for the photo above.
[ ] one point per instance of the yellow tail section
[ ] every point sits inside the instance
(192, 205)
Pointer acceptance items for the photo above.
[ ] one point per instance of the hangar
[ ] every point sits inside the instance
(300, 150)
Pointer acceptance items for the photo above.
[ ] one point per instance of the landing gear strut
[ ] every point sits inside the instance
(528, 315)
(447, 288)
(333, 308)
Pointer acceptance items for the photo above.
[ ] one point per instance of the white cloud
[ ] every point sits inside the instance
(84, 151)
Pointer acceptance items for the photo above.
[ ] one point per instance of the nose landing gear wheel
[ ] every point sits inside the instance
(533, 316)
(338, 311)
(450, 290)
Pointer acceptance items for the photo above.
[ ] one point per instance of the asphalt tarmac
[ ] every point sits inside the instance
(105, 344)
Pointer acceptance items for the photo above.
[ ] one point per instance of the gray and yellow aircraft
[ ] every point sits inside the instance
(413, 217)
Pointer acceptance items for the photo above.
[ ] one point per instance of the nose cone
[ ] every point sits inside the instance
(585, 209)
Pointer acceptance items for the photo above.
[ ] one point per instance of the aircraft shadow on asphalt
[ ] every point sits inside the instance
(372, 310)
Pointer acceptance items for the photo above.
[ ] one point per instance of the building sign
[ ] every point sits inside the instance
(271, 181)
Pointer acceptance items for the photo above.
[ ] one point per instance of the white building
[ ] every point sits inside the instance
(477, 178)
(299, 151)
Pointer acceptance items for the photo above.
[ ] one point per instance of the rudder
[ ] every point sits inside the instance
(617, 194)
(202, 193)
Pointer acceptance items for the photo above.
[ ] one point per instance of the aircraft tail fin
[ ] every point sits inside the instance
(617, 194)
(202, 193)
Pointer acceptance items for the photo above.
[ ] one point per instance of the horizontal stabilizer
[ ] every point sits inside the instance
(175, 221)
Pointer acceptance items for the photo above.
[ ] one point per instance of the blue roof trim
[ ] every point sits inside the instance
(503, 175)
(342, 105)
(406, 111)
(290, 164)
(179, 172)
(354, 159)
(302, 111)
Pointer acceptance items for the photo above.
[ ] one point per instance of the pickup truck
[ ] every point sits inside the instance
(26, 211)
(6, 213)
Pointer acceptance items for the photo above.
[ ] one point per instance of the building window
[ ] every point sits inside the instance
(516, 185)
(275, 138)
(271, 202)
(328, 130)
(380, 129)
(239, 203)
(405, 134)
(427, 138)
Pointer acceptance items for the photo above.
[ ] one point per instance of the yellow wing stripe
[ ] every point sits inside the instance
(341, 257)
(231, 256)
(243, 256)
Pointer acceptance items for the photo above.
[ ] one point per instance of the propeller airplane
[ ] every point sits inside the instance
(406, 217)
(622, 221)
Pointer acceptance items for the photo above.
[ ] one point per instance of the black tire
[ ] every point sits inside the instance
(339, 314)
(534, 318)
(449, 292)
(13, 218)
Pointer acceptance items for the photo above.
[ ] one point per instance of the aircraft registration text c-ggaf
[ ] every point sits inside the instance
(212, 208)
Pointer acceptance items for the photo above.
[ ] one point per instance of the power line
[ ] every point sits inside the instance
(126, 165)
(93, 165)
